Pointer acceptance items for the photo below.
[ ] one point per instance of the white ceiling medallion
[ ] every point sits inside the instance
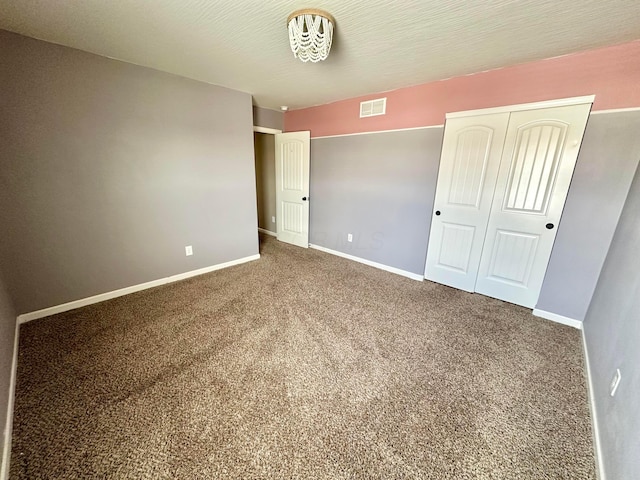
(310, 34)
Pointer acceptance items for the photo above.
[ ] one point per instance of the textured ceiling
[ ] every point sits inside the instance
(379, 44)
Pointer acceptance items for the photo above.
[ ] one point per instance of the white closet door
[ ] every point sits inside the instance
(469, 163)
(540, 152)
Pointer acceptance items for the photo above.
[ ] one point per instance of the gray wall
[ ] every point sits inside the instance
(380, 188)
(612, 334)
(108, 170)
(266, 179)
(264, 117)
(7, 332)
(608, 158)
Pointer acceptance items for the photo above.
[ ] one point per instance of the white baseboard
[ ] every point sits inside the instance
(592, 408)
(45, 312)
(267, 232)
(8, 429)
(397, 271)
(554, 317)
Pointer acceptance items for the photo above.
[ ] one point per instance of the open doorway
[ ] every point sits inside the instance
(265, 163)
(282, 165)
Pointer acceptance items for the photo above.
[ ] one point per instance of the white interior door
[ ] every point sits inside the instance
(469, 163)
(292, 187)
(540, 153)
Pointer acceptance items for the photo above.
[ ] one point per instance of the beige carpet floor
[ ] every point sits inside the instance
(301, 365)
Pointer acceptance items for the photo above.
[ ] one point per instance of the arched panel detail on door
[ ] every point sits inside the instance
(471, 158)
(534, 165)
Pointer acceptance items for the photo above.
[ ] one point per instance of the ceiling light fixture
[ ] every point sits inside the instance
(310, 34)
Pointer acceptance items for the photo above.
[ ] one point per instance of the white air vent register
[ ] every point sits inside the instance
(371, 108)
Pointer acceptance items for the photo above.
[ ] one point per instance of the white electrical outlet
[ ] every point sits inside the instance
(615, 381)
(349, 237)
(273, 219)
(188, 250)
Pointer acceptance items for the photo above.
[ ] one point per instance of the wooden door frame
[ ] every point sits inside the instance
(271, 131)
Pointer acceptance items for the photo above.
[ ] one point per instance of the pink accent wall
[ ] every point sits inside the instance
(611, 73)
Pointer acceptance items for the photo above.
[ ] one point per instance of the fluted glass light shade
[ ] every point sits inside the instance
(310, 34)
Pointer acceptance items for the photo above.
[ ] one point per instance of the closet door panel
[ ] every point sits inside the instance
(540, 153)
(469, 164)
